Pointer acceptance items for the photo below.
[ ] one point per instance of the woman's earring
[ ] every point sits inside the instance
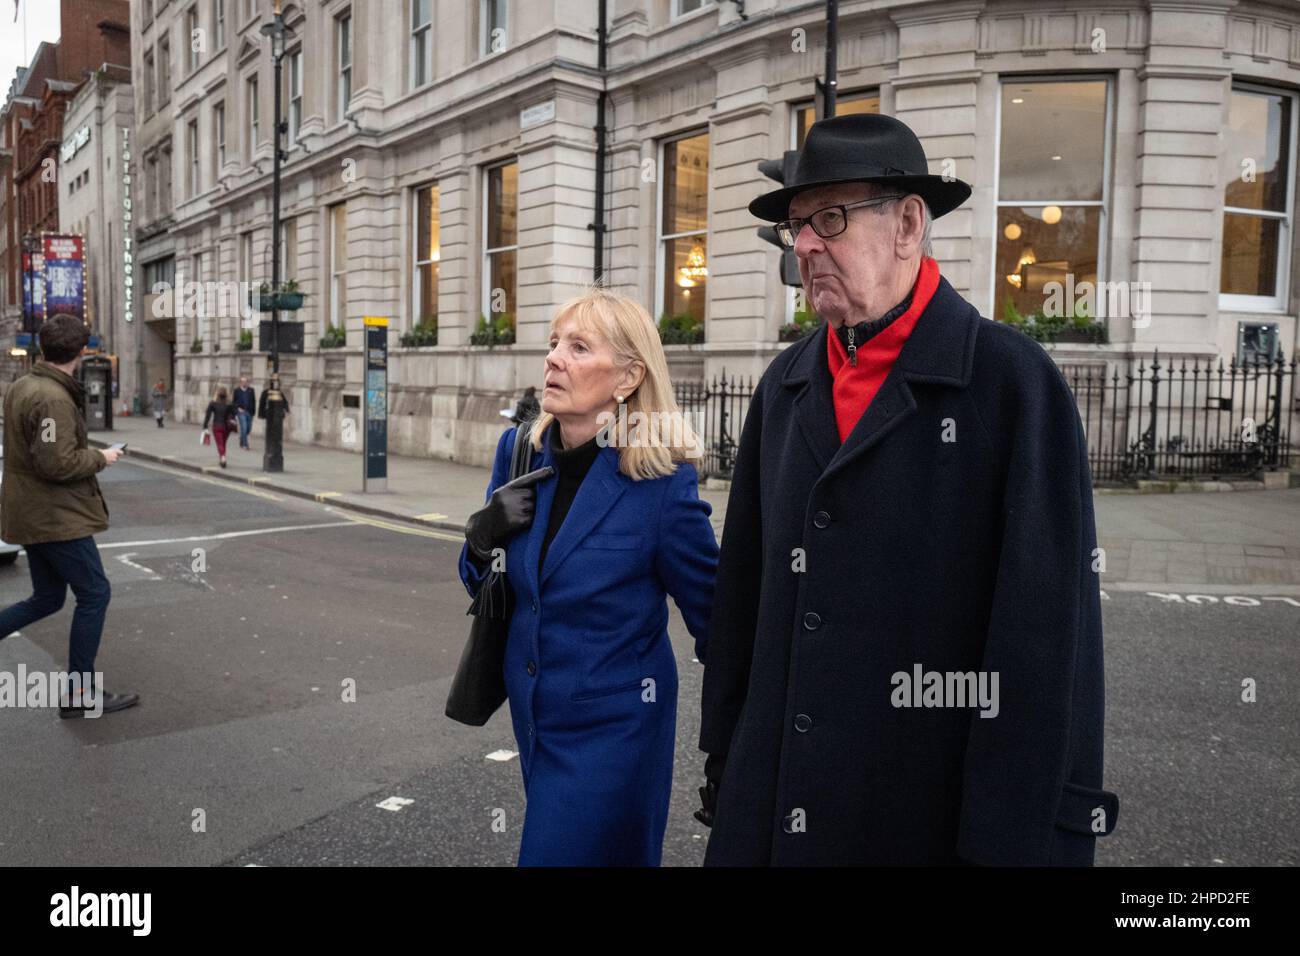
(618, 398)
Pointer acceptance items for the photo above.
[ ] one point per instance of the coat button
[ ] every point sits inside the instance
(532, 669)
(803, 723)
(812, 620)
(821, 519)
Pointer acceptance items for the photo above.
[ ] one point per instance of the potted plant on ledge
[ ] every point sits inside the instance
(334, 337)
(287, 298)
(500, 331)
(1045, 329)
(681, 329)
(423, 333)
(805, 322)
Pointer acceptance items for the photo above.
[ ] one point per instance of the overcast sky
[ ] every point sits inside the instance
(42, 18)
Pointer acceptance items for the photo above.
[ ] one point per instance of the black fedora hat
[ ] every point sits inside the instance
(863, 147)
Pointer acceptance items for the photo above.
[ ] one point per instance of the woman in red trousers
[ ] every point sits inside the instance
(222, 415)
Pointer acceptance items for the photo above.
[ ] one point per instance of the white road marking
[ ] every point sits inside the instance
(1232, 600)
(394, 803)
(502, 755)
(402, 529)
(227, 534)
(126, 559)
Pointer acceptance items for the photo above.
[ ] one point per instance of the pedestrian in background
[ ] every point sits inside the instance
(245, 409)
(159, 401)
(51, 504)
(222, 415)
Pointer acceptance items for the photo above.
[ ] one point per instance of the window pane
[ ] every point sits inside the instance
(685, 276)
(427, 307)
(686, 6)
(1250, 245)
(1033, 250)
(501, 275)
(1053, 140)
(420, 12)
(340, 238)
(503, 199)
(1259, 131)
(419, 56)
(428, 241)
(495, 13)
(843, 107)
(686, 184)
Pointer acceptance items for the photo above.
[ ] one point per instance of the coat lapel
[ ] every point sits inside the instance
(597, 494)
(940, 350)
(814, 405)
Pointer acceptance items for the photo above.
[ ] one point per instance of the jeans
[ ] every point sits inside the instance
(245, 426)
(54, 567)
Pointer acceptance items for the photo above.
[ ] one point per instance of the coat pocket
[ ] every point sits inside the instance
(1087, 810)
(598, 692)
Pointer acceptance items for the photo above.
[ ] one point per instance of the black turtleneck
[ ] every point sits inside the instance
(865, 330)
(571, 467)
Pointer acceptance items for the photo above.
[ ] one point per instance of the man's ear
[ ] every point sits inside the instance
(911, 227)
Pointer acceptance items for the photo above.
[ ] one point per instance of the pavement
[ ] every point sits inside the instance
(1237, 543)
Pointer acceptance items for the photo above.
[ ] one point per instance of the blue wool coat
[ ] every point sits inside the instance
(589, 669)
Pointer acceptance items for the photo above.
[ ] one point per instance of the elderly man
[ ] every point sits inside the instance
(906, 654)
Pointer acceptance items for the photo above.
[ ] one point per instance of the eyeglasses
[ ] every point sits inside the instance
(827, 223)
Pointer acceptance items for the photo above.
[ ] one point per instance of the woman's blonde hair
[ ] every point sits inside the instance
(220, 395)
(660, 435)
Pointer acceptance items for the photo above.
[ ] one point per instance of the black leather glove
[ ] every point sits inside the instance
(507, 512)
(713, 767)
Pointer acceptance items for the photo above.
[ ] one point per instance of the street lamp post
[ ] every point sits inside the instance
(273, 453)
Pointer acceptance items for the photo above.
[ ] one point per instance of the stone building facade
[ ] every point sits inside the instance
(97, 176)
(442, 163)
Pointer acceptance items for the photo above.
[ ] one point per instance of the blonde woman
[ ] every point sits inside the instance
(591, 555)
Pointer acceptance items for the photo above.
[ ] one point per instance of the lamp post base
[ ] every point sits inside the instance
(273, 451)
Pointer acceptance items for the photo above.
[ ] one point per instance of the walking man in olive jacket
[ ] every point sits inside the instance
(51, 504)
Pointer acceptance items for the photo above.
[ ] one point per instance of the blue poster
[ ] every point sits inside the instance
(65, 276)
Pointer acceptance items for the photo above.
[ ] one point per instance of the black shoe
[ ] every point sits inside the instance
(109, 702)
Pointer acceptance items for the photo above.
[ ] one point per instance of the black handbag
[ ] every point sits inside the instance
(479, 687)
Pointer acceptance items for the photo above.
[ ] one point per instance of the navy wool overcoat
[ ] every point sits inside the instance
(951, 533)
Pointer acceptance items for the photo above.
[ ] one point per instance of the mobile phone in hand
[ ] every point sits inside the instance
(118, 446)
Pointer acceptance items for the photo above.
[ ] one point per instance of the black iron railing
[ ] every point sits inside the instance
(717, 411)
(1197, 418)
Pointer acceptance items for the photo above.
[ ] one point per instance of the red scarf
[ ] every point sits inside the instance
(856, 385)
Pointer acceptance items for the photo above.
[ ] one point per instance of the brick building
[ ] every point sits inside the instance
(92, 33)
